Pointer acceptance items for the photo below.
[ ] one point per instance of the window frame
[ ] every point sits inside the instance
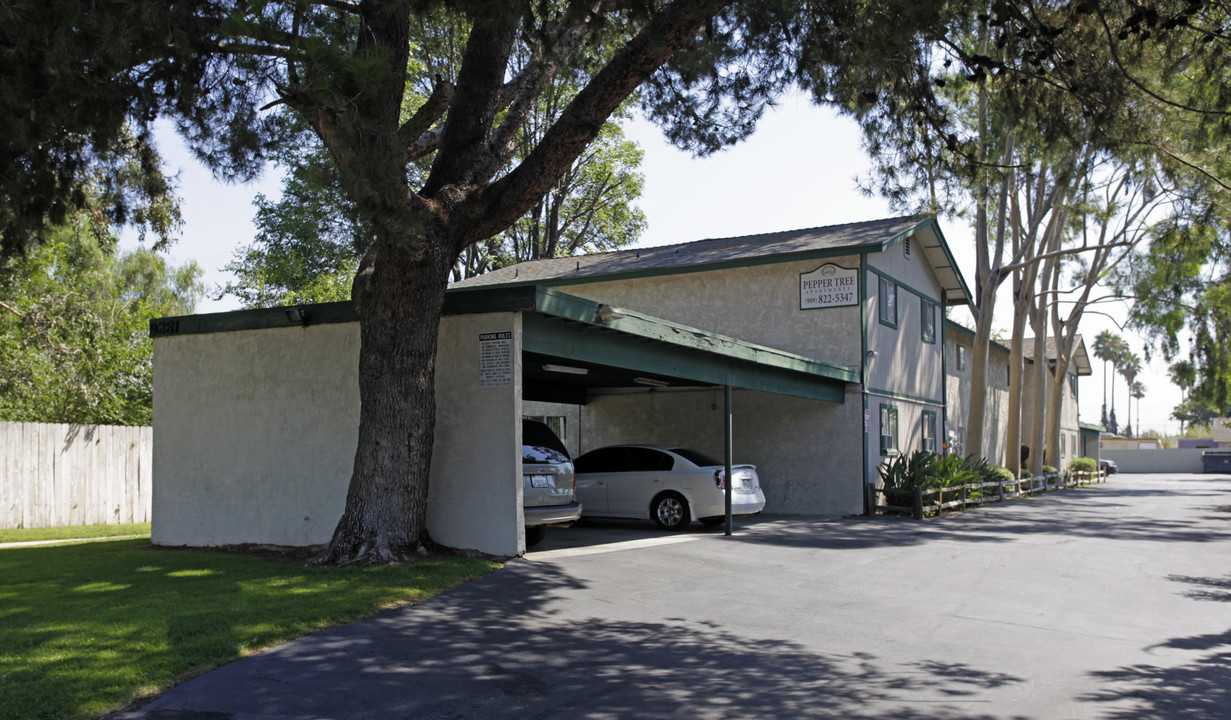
(927, 310)
(927, 422)
(887, 298)
(888, 416)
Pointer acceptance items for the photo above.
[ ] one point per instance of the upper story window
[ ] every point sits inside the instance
(888, 302)
(961, 357)
(927, 321)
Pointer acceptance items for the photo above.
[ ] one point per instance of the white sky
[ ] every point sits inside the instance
(797, 171)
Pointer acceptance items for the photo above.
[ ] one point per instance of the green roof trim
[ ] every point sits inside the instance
(568, 326)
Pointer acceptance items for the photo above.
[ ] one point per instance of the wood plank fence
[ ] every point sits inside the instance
(55, 475)
(920, 503)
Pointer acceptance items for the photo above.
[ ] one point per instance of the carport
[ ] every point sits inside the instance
(573, 346)
(277, 389)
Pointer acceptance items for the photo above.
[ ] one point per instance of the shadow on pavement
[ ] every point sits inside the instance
(1198, 689)
(492, 650)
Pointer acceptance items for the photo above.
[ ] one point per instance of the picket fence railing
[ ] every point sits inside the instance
(919, 503)
(55, 475)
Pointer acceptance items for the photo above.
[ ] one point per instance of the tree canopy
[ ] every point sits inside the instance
(74, 327)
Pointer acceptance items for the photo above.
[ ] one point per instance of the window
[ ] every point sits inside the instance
(961, 357)
(1062, 454)
(1076, 447)
(929, 431)
(889, 430)
(555, 422)
(1073, 384)
(928, 320)
(888, 301)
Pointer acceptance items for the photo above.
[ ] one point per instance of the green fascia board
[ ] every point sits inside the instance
(1089, 429)
(645, 354)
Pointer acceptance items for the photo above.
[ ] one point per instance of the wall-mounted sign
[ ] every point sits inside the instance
(828, 286)
(496, 359)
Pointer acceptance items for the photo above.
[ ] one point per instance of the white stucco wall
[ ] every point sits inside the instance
(475, 493)
(255, 435)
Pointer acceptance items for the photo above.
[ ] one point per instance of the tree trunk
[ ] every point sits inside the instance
(398, 300)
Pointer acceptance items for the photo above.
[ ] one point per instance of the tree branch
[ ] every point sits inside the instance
(669, 30)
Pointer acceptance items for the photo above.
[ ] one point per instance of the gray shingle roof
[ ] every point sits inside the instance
(702, 254)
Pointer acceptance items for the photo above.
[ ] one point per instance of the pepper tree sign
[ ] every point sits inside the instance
(828, 286)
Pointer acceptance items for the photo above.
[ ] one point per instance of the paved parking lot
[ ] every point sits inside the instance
(1104, 602)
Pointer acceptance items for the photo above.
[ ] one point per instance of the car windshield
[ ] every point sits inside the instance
(540, 444)
(699, 459)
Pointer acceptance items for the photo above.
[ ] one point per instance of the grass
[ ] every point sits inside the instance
(73, 532)
(86, 629)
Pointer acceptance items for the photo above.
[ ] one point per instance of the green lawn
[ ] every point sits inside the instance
(73, 532)
(87, 628)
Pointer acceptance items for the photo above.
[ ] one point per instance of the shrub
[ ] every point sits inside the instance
(1083, 464)
(996, 473)
(1049, 470)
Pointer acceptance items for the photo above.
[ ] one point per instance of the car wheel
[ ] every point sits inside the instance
(670, 511)
(535, 534)
(712, 521)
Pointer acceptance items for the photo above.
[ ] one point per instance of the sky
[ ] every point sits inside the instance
(798, 170)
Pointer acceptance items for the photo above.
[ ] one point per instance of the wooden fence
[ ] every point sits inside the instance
(920, 503)
(57, 475)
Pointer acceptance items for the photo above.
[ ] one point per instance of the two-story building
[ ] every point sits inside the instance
(831, 339)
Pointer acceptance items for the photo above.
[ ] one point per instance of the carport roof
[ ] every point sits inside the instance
(617, 347)
(743, 251)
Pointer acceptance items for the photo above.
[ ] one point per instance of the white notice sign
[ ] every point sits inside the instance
(828, 286)
(496, 359)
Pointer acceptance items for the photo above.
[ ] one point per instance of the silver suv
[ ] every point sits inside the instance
(548, 481)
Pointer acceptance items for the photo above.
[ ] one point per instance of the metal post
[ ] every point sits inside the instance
(728, 453)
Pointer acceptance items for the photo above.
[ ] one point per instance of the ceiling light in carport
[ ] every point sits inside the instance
(568, 370)
(651, 382)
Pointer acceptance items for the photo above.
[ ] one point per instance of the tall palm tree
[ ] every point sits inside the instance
(1184, 375)
(1129, 366)
(1105, 346)
(1137, 391)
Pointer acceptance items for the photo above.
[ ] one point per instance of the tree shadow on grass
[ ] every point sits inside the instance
(1197, 689)
(500, 647)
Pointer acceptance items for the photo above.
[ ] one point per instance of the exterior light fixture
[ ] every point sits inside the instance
(297, 315)
(607, 313)
(651, 382)
(872, 354)
(566, 369)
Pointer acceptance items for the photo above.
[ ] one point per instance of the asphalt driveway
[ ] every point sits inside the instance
(1105, 602)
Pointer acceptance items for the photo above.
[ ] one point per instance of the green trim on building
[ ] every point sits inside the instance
(908, 288)
(568, 326)
(903, 396)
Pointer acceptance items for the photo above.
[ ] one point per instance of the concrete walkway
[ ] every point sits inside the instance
(33, 543)
(1106, 602)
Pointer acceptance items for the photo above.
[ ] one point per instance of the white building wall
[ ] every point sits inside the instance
(255, 436)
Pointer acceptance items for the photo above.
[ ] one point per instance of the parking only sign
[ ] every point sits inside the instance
(496, 359)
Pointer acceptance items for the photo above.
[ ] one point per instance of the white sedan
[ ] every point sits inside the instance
(669, 485)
